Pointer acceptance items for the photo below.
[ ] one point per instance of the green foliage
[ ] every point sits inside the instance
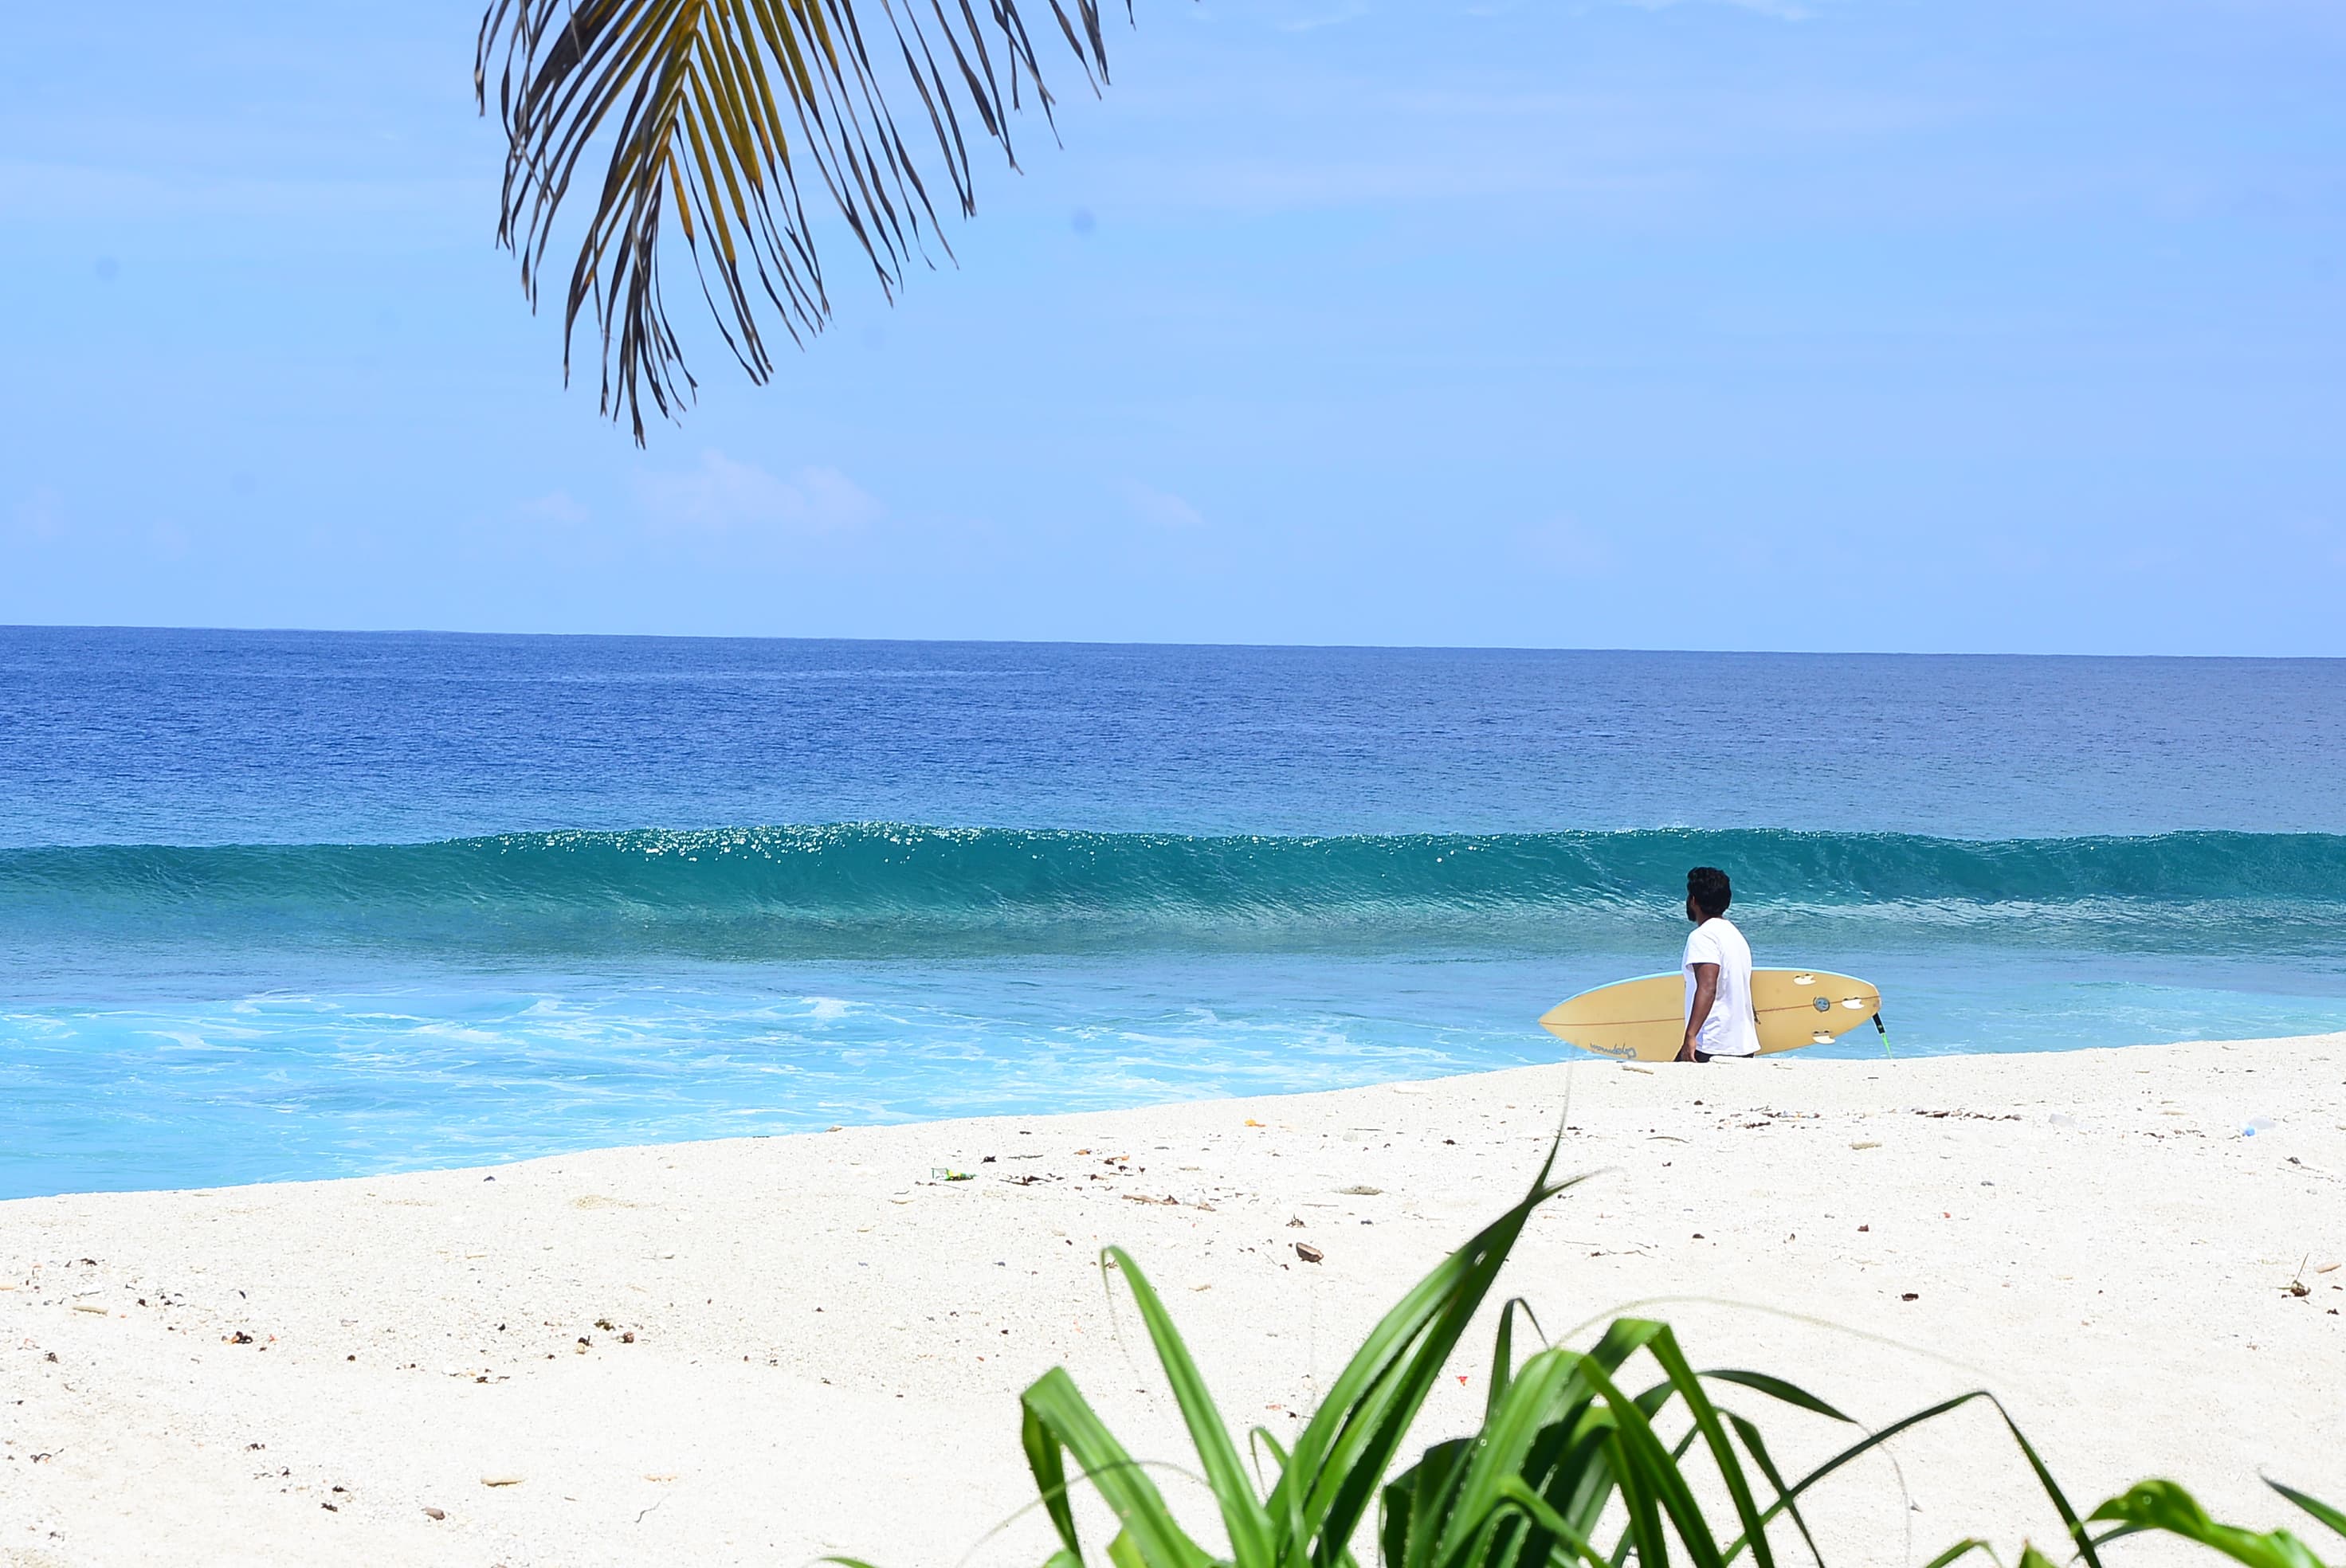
(2162, 1505)
(1567, 1454)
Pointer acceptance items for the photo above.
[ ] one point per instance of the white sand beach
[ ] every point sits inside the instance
(763, 1349)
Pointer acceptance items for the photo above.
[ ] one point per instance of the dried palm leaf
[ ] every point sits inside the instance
(713, 112)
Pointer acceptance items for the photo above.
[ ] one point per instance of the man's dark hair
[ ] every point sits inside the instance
(1706, 886)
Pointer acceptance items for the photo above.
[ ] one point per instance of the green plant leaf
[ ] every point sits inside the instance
(1340, 1457)
(1058, 1418)
(1753, 1440)
(1648, 1477)
(2333, 1517)
(2076, 1526)
(2163, 1506)
(1416, 1503)
(1503, 1351)
(1961, 1550)
(1664, 1348)
(1778, 1388)
(1536, 1508)
(1243, 1515)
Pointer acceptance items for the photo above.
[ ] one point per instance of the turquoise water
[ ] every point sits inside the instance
(279, 905)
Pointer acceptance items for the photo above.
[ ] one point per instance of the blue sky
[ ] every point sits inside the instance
(1837, 324)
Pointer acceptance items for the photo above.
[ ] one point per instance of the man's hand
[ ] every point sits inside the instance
(1706, 992)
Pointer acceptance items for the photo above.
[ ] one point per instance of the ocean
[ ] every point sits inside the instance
(288, 905)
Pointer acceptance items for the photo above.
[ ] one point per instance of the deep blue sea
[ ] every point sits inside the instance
(297, 904)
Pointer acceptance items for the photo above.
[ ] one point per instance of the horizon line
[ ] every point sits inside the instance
(1167, 643)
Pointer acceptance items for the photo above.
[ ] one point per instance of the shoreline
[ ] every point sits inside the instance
(1847, 1059)
(827, 1345)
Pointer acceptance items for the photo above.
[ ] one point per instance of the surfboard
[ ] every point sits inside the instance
(1644, 1020)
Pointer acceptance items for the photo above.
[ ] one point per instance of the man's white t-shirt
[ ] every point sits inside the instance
(1729, 1029)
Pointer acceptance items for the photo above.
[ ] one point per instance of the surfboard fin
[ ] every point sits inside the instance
(1884, 1032)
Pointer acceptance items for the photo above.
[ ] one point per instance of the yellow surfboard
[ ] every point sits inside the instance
(1644, 1020)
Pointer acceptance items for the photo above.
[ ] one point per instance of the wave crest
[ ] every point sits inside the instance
(874, 887)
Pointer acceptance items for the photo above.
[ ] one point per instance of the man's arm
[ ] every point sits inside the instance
(1706, 992)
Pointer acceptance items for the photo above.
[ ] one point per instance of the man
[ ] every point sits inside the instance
(1718, 964)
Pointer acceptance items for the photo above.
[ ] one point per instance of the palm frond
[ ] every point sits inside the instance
(711, 113)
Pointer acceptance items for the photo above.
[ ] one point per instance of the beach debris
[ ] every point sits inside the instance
(2257, 1124)
(1867, 1144)
(1252, 1123)
(90, 1307)
(1632, 1067)
(629, 1336)
(499, 1479)
(1912, 1295)
(239, 1337)
(1293, 1223)
(1359, 1191)
(1308, 1253)
(435, 1513)
(946, 1173)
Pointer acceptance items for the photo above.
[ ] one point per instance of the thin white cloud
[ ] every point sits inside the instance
(1311, 22)
(558, 508)
(724, 499)
(1782, 10)
(1162, 508)
(38, 518)
(58, 192)
(1567, 546)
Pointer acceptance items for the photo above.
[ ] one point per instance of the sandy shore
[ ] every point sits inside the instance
(763, 1349)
